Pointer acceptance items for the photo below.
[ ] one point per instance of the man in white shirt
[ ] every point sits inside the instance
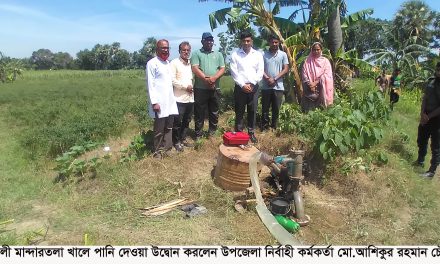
(162, 104)
(247, 68)
(183, 92)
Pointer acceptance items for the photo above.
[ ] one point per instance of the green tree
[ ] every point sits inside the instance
(102, 56)
(43, 59)
(85, 60)
(436, 30)
(366, 35)
(147, 52)
(403, 55)
(409, 36)
(120, 60)
(62, 60)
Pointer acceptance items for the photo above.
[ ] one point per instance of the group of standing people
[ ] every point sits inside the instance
(392, 83)
(429, 124)
(175, 95)
(191, 83)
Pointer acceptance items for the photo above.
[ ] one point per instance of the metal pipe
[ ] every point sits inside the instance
(295, 176)
(299, 206)
(297, 156)
(279, 232)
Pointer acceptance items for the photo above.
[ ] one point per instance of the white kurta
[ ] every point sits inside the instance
(182, 77)
(160, 88)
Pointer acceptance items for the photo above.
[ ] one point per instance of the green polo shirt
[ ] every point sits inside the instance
(209, 63)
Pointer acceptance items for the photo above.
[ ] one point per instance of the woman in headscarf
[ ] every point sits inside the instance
(317, 78)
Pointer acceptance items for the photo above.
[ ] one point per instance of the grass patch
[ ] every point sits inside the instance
(372, 196)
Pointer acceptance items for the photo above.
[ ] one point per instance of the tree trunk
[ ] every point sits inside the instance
(298, 91)
(334, 31)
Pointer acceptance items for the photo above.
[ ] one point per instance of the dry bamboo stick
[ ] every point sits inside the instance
(165, 204)
(158, 212)
(161, 208)
(167, 207)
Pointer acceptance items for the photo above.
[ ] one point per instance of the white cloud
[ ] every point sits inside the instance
(23, 11)
(34, 29)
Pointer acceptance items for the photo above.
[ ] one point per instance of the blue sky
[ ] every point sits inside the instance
(71, 26)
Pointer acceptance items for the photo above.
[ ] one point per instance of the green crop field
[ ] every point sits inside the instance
(370, 195)
(58, 109)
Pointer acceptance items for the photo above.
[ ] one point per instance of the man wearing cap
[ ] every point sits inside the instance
(247, 69)
(208, 66)
(162, 105)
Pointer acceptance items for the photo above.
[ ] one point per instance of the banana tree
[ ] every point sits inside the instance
(400, 55)
(325, 24)
(243, 13)
(344, 62)
(320, 27)
(295, 38)
(9, 68)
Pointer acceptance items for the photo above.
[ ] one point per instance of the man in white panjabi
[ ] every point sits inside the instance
(162, 104)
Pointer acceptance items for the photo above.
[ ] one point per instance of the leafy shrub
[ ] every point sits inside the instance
(372, 105)
(69, 165)
(346, 126)
(137, 148)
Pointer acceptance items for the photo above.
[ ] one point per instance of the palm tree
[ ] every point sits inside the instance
(334, 25)
(409, 38)
(413, 21)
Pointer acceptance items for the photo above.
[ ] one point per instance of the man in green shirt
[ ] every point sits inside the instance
(208, 66)
(395, 83)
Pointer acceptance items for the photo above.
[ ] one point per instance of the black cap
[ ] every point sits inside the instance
(207, 35)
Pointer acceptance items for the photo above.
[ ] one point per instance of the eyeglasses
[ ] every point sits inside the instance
(164, 48)
(209, 40)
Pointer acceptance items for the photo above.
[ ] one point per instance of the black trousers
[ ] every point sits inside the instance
(245, 101)
(394, 97)
(181, 121)
(204, 100)
(429, 130)
(163, 133)
(270, 98)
